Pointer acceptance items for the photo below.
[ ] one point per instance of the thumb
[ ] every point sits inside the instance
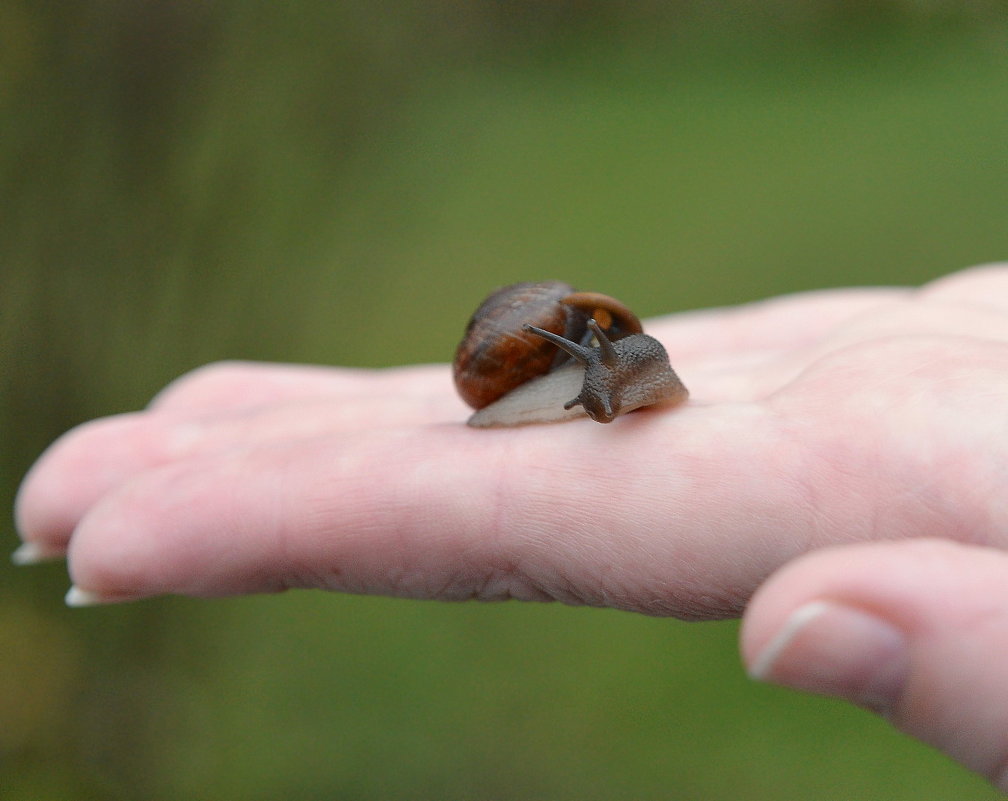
(915, 630)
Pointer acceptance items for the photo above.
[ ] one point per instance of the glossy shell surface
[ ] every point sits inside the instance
(496, 355)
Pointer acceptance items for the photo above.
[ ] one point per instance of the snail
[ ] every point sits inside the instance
(527, 357)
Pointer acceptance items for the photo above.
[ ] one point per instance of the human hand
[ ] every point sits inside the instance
(815, 420)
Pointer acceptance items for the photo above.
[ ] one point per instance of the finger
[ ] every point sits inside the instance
(226, 386)
(914, 630)
(447, 512)
(766, 326)
(985, 287)
(237, 404)
(89, 461)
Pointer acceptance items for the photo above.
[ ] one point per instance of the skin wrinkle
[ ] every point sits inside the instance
(837, 507)
(311, 512)
(413, 574)
(502, 578)
(622, 584)
(524, 587)
(494, 546)
(558, 568)
(491, 586)
(438, 564)
(459, 581)
(534, 543)
(487, 554)
(541, 532)
(282, 531)
(628, 556)
(315, 515)
(602, 538)
(611, 586)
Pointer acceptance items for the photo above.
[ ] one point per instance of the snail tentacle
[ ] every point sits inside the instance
(580, 352)
(607, 353)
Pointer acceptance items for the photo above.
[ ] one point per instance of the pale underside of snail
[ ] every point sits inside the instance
(539, 400)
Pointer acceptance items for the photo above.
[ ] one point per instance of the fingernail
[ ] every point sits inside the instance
(832, 649)
(31, 553)
(77, 597)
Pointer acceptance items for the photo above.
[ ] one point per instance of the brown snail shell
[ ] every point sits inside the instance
(497, 355)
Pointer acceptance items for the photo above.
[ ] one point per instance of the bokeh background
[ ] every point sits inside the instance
(341, 183)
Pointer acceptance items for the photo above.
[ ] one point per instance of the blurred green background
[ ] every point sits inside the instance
(341, 183)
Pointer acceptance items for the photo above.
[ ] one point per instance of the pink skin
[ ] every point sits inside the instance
(815, 420)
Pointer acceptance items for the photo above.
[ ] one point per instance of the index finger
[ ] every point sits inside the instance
(616, 515)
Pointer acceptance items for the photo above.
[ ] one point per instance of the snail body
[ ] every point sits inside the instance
(527, 357)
